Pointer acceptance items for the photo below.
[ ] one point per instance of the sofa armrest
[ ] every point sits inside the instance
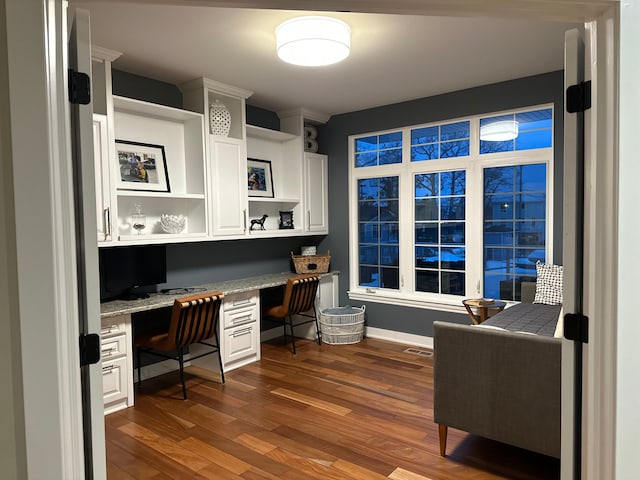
(498, 384)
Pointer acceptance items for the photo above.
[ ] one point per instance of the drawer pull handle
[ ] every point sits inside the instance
(107, 368)
(107, 352)
(243, 331)
(241, 302)
(242, 319)
(109, 329)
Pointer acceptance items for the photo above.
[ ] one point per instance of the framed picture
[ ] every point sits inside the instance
(259, 181)
(142, 166)
(286, 220)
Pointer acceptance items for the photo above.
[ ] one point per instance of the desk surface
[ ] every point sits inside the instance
(228, 287)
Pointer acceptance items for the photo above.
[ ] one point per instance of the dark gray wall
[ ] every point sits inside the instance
(129, 85)
(333, 137)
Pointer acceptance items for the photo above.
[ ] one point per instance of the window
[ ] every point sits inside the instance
(439, 232)
(514, 227)
(378, 232)
(439, 215)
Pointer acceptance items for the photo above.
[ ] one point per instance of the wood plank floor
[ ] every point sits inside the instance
(361, 411)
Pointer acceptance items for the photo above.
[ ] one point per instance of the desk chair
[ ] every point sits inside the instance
(193, 320)
(299, 297)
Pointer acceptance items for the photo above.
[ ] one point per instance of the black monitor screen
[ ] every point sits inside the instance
(124, 269)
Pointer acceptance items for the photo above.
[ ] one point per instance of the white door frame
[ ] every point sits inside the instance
(37, 188)
(43, 363)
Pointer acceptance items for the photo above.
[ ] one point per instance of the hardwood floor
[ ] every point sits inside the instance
(359, 411)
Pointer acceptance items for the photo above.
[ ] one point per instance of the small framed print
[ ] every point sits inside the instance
(286, 220)
(142, 166)
(259, 180)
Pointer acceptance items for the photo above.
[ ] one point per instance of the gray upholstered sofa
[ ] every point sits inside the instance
(498, 383)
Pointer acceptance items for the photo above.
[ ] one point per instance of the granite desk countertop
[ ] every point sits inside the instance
(227, 287)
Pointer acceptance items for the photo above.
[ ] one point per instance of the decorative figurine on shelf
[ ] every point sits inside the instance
(258, 221)
(286, 220)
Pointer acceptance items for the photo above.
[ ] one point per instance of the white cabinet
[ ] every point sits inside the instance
(117, 369)
(283, 151)
(316, 188)
(227, 183)
(143, 128)
(226, 154)
(240, 329)
(104, 191)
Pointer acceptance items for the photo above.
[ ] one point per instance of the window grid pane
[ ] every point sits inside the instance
(440, 141)
(514, 227)
(535, 130)
(374, 150)
(378, 226)
(439, 212)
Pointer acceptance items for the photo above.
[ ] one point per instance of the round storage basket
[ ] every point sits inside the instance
(342, 325)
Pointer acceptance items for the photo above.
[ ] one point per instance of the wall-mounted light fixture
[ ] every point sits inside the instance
(499, 131)
(313, 41)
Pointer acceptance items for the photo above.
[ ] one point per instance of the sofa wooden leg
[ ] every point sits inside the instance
(442, 430)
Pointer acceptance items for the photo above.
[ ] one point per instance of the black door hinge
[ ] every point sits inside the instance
(579, 97)
(89, 349)
(79, 88)
(576, 327)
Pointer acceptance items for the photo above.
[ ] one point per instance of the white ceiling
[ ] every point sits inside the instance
(393, 57)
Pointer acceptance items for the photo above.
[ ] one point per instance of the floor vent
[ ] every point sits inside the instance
(419, 351)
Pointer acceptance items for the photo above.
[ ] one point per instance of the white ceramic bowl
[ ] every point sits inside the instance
(172, 223)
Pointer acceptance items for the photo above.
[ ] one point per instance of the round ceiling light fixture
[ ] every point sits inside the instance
(313, 41)
(499, 131)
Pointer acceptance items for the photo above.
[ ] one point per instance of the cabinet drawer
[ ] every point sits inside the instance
(240, 342)
(115, 387)
(241, 300)
(112, 347)
(240, 316)
(112, 326)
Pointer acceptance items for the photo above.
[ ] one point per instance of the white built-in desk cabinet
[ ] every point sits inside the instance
(239, 330)
(207, 183)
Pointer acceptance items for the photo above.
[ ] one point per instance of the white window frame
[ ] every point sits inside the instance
(474, 164)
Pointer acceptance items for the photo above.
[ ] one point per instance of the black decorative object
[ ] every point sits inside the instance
(259, 222)
(286, 220)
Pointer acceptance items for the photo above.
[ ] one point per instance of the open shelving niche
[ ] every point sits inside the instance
(181, 133)
(284, 151)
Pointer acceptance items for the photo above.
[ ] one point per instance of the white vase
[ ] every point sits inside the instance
(219, 119)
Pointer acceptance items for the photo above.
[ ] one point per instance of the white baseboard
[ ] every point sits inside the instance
(399, 337)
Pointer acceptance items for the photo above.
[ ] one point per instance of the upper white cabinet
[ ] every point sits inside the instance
(104, 191)
(155, 161)
(316, 171)
(224, 109)
(169, 142)
(281, 153)
(102, 102)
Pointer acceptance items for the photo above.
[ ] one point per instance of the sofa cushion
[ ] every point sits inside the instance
(548, 284)
(533, 318)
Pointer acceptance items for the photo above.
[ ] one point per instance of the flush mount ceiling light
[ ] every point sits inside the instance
(499, 131)
(313, 41)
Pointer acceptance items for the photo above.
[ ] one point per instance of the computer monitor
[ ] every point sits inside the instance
(124, 270)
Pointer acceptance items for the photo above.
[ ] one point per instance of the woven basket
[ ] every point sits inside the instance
(342, 325)
(311, 263)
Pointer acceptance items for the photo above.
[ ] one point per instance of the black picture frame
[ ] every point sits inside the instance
(141, 167)
(259, 178)
(286, 220)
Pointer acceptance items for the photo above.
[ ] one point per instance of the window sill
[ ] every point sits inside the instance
(453, 305)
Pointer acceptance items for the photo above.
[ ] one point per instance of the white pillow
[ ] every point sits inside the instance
(548, 284)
